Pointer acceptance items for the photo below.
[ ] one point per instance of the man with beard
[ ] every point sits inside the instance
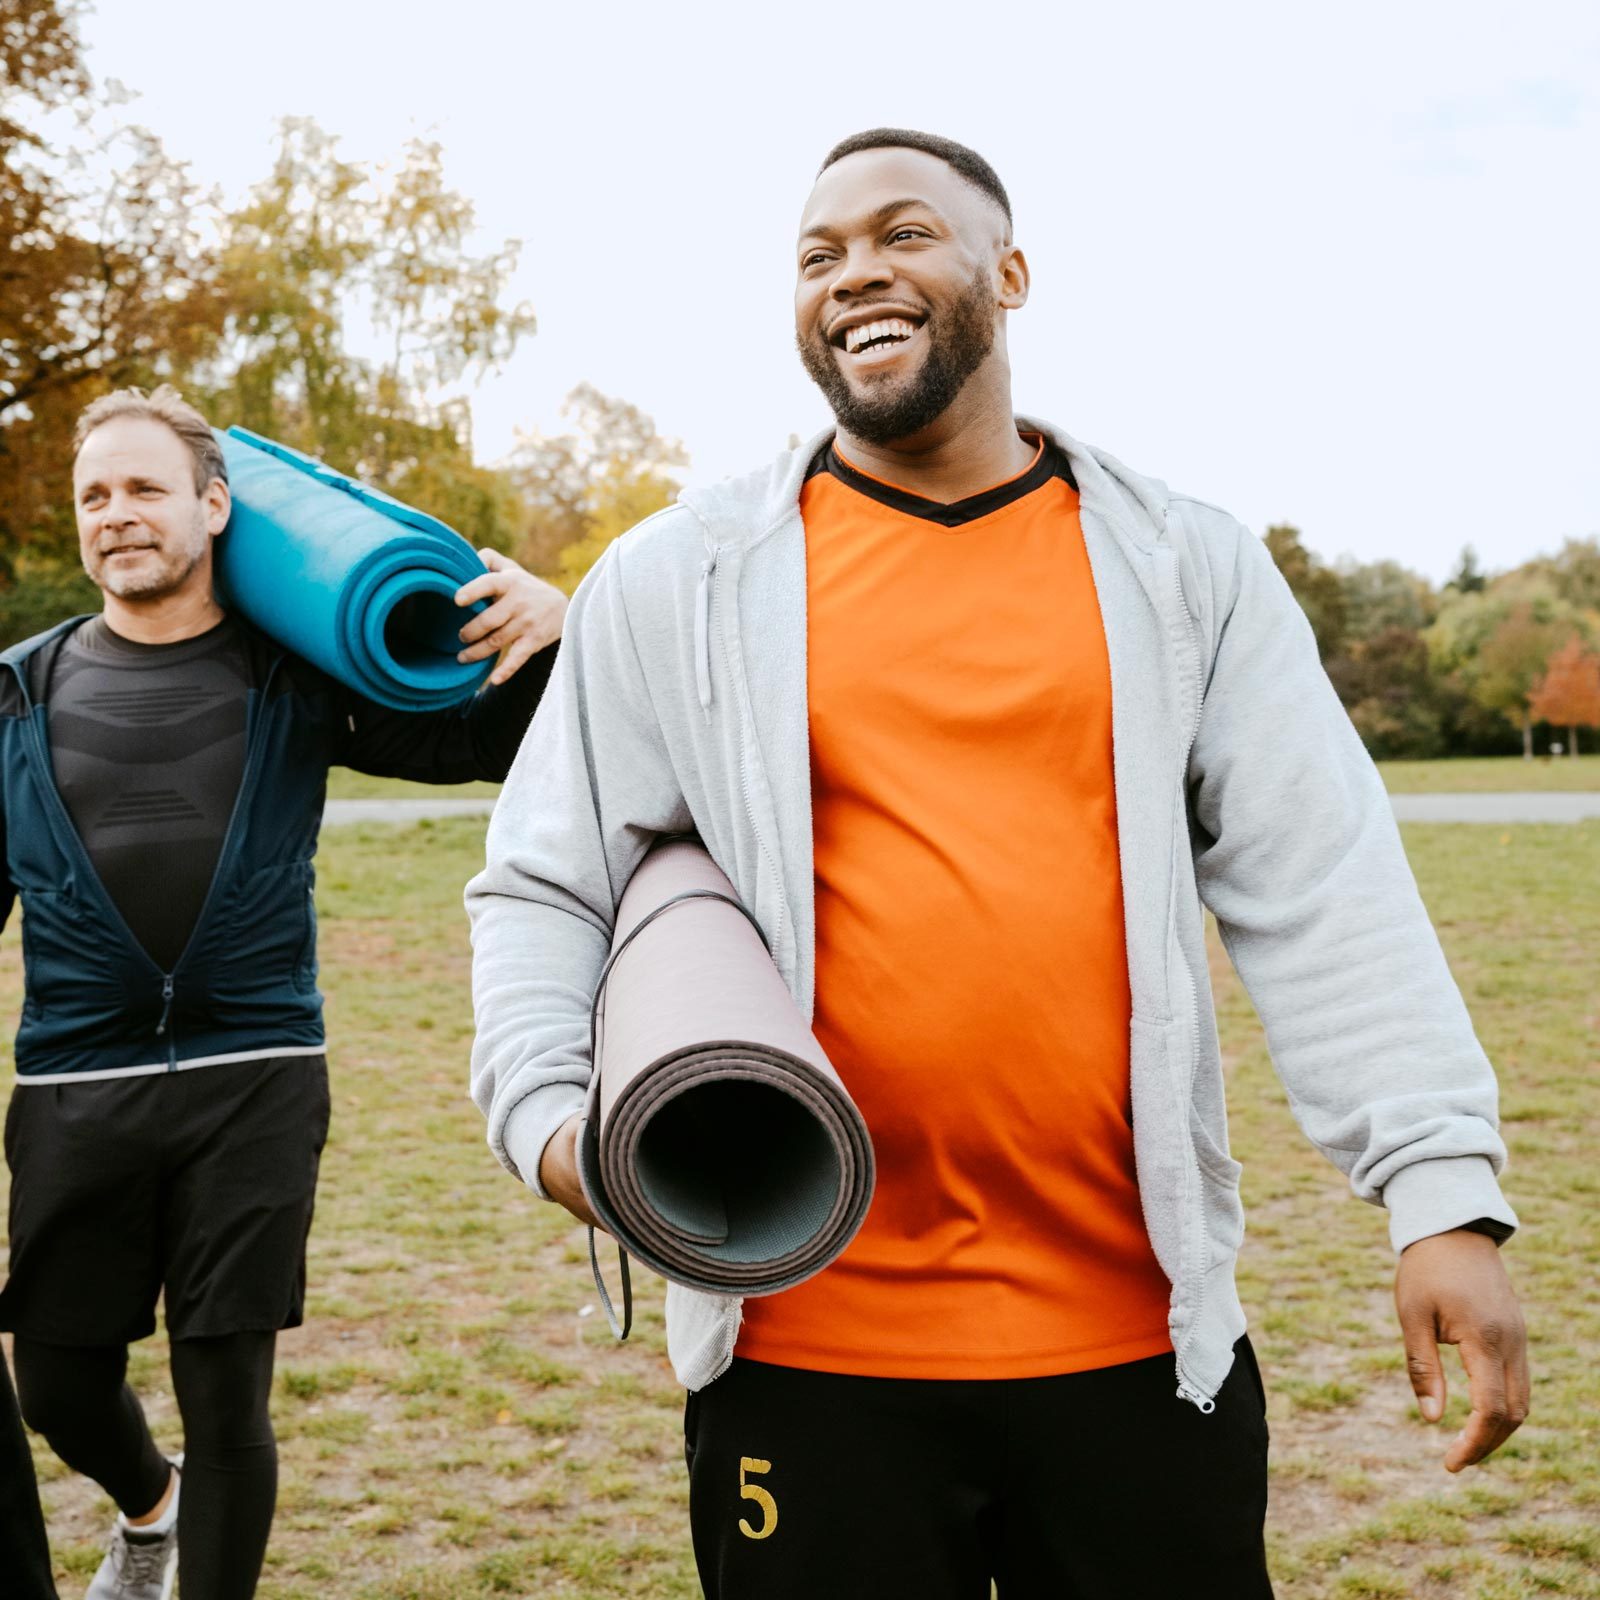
(162, 775)
(978, 721)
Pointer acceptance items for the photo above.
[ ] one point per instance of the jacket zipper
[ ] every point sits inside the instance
(161, 1026)
(1187, 1390)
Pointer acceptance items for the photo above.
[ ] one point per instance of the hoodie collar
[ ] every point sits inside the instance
(744, 510)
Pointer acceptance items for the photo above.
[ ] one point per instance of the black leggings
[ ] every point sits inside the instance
(24, 1555)
(80, 1401)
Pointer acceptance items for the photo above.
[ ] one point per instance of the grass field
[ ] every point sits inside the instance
(1472, 775)
(1493, 775)
(458, 1425)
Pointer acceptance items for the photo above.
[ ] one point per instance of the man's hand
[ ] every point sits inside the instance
(558, 1172)
(524, 616)
(1452, 1288)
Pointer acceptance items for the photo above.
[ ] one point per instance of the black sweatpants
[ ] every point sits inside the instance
(1089, 1486)
(24, 1555)
(78, 1398)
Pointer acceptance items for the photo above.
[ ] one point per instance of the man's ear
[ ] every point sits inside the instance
(1014, 279)
(219, 506)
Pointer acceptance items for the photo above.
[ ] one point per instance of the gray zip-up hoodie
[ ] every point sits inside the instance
(678, 702)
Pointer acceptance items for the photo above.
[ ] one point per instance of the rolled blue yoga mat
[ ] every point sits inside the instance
(346, 576)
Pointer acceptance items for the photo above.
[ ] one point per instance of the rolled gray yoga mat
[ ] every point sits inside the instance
(719, 1146)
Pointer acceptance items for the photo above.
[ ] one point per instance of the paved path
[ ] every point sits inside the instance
(1494, 808)
(337, 811)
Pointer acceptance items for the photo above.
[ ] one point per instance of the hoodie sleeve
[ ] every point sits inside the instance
(1298, 856)
(590, 789)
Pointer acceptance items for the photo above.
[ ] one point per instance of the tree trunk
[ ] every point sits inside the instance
(1527, 739)
(1573, 747)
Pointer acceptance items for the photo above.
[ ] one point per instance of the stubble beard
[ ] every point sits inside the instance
(958, 344)
(176, 561)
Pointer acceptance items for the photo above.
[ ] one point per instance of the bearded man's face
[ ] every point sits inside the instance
(896, 297)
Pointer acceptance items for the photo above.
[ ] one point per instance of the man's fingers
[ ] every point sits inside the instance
(484, 588)
(1491, 1422)
(1424, 1367)
(519, 652)
(488, 621)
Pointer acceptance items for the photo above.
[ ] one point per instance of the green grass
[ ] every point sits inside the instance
(346, 785)
(1493, 775)
(455, 1427)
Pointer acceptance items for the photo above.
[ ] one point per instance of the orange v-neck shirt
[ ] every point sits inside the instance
(972, 982)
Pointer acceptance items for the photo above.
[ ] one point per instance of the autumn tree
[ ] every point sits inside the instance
(1494, 643)
(103, 281)
(583, 488)
(1568, 694)
(1315, 586)
(103, 277)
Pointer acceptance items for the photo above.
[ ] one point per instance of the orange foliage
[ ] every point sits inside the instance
(1568, 695)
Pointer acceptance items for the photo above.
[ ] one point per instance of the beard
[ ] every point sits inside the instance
(175, 558)
(959, 343)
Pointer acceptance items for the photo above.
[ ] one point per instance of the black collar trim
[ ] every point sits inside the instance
(1052, 463)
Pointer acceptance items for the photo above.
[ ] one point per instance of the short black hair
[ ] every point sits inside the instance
(967, 162)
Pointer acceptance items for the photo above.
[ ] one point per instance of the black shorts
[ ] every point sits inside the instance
(1090, 1486)
(199, 1184)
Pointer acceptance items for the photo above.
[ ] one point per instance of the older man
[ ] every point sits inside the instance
(163, 770)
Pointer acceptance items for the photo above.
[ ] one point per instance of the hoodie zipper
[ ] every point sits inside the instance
(702, 628)
(1187, 1390)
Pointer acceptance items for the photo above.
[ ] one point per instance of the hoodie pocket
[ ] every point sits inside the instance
(1220, 1189)
(1160, 1141)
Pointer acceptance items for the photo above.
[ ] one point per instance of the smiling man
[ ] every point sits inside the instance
(979, 723)
(162, 773)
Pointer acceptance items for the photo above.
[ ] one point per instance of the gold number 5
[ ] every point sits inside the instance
(753, 1491)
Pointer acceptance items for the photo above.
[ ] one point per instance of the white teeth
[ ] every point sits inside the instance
(889, 328)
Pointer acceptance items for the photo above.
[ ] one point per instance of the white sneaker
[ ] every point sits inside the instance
(139, 1565)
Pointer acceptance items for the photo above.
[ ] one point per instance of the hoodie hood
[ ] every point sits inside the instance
(744, 510)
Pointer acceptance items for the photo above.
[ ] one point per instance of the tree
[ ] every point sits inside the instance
(1568, 694)
(1316, 587)
(1493, 643)
(103, 279)
(1574, 572)
(584, 488)
(40, 60)
(1393, 699)
(1468, 578)
(1381, 595)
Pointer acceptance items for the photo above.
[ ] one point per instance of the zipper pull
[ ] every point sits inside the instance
(1187, 1391)
(166, 1004)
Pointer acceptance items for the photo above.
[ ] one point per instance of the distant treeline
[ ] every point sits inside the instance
(1482, 666)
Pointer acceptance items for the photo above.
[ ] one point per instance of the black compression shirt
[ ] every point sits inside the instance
(147, 742)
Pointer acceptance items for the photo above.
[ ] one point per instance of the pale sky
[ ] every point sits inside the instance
(1329, 265)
